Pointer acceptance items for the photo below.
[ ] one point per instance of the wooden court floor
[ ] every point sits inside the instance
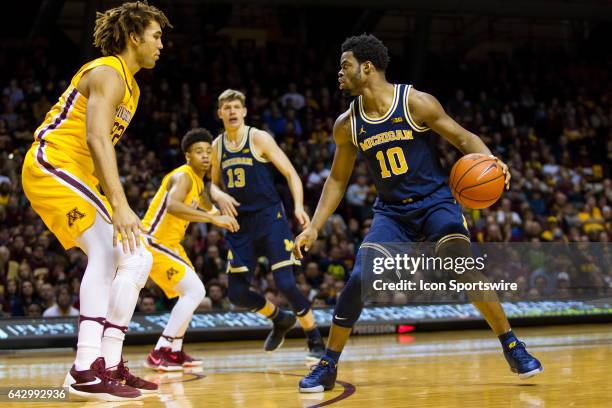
(440, 369)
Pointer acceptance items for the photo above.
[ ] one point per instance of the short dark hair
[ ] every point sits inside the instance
(194, 136)
(366, 47)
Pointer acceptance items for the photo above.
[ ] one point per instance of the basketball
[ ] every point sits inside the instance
(477, 181)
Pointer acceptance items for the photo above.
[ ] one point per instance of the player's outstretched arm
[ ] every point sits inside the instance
(426, 109)
(178, 188)
(206, 203)
(226, 202)
(104, 89)
(335, 185)
(268, 149)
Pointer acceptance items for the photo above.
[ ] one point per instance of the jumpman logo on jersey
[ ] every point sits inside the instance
(362, 131)
(399, 119)
(171, 272)
(74, 215)
(245, 151)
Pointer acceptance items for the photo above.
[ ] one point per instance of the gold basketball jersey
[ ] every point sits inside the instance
(163, 226)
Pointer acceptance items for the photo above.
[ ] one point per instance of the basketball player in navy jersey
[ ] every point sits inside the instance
(414, 201)
(243, 163)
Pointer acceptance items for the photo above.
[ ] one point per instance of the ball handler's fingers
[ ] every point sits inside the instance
(508, 177)
(505, 171)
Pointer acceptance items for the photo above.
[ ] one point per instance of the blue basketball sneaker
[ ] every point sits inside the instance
(521, 362)
(322, 377)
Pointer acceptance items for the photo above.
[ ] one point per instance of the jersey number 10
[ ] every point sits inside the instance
(397, 161)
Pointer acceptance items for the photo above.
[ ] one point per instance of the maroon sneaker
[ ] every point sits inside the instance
(122, 374)
(95, 384)
(162, 360)
(185, 359)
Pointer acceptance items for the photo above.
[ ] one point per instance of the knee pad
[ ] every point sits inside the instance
(135, 267)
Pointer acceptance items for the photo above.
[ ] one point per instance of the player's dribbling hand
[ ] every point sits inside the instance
(505, 170)
(127, 224)
(227, 222)
(302, 217)
(227, 204)
(305, 239)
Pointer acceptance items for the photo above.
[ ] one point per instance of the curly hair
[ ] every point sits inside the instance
(194, 136)
(115, 25)
(366, 47)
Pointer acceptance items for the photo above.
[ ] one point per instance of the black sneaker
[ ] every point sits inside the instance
(277, 336)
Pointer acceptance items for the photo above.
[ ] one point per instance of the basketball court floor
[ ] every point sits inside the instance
(438, 369)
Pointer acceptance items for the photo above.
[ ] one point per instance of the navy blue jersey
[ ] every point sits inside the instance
(247, 178)
(401, 154)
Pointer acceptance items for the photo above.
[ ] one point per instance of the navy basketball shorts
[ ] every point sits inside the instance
(264, 232)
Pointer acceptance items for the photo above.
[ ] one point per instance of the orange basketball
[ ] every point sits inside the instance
(477, 181)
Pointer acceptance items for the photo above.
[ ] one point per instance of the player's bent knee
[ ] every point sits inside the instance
(454, 246)
(199, 292)
(237, 292)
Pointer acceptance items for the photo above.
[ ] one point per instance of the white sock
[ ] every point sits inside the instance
(177, 344)
(97, 243)
(191, 292)
(162, 342)
(112, 344)
(88, 346)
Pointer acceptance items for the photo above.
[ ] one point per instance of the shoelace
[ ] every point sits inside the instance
(123, 370)
(102, 374)
(316, 370)
(519, 352)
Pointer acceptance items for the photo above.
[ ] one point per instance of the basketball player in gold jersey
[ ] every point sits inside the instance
(71, 157)
(174, 206)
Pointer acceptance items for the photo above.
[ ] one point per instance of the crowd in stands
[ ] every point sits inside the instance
(547, 115)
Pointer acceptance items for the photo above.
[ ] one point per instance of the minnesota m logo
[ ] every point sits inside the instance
(171, 272)
(74, 215)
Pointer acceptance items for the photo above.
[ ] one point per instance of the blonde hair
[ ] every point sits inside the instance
(231, 95)
(115, 25)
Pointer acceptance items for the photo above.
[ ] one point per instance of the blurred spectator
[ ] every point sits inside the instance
(63, 304)
(147, 304)
(217, 296)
